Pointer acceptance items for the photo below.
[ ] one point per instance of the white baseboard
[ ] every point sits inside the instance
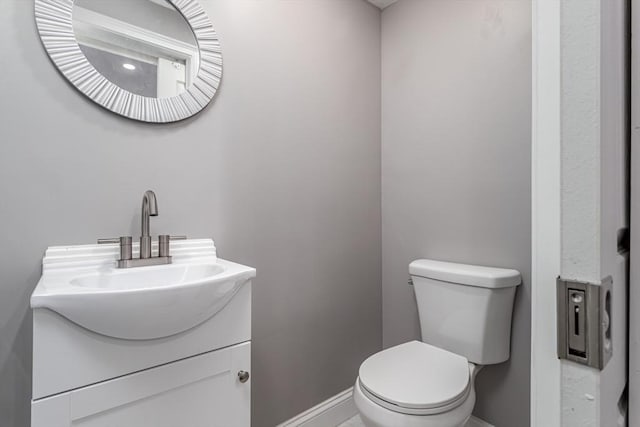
(330, 413)
(338, 409)
(477, 422)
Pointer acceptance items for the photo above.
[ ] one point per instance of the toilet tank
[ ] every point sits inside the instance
(466, 309)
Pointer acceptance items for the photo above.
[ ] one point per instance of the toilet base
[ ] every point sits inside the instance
(374, 415)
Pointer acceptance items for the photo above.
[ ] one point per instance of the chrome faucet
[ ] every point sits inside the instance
(149, 209)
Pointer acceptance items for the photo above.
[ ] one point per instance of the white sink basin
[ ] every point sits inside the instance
(82, 284)
(148, 278)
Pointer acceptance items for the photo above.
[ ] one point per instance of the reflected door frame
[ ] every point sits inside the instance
(103, 32)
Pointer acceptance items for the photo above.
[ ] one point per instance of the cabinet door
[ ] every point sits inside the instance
(201, 391)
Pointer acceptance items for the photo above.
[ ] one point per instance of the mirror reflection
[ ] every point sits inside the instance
(144, 46)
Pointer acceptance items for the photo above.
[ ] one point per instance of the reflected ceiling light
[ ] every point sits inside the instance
(128, 66)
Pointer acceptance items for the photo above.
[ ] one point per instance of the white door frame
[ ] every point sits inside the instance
(577, 198)
(545, 187)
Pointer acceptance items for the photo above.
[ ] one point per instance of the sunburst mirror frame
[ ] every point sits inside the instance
(54, 19)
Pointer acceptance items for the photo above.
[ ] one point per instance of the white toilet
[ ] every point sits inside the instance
(465, 317)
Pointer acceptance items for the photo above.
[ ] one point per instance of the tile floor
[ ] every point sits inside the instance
(353, 422)
(357, 422)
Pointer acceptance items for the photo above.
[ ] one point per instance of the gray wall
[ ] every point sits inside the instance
(456, 142)
(283, 170)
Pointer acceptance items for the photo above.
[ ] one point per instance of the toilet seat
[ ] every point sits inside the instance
(416, 378)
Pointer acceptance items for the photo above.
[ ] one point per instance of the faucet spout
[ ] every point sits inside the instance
(149, 208)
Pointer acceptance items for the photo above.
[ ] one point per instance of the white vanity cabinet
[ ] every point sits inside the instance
(201, 391)
(82, 378)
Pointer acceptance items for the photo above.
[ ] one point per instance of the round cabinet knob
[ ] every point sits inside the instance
(243, 376)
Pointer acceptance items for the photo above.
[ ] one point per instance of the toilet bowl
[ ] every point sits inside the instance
(415, 385)
(465, 317)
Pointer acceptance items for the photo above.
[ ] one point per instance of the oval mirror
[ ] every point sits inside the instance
(149, 60)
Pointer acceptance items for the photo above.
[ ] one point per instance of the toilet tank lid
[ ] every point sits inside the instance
(465, 274)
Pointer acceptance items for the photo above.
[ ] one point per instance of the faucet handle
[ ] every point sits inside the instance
(126, 251)
(163, 243)
(111, 240)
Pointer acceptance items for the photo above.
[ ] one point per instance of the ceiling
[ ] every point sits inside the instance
(382, 3)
